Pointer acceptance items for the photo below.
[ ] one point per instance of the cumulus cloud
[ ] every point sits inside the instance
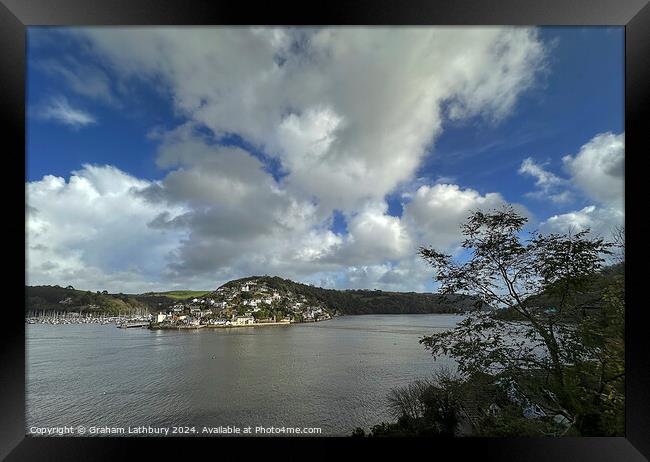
(435, 213)
(597, 170)
(91, 231)
(347, 113)
(409, 275)
(59, 110)
(373, 237)
(602, 221)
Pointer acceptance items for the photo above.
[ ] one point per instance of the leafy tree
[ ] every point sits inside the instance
(603, 379)
(507, 271)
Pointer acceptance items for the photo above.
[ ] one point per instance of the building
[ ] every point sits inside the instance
(244, 320)
(161, 317)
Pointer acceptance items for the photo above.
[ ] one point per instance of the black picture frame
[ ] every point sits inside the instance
(17, 15)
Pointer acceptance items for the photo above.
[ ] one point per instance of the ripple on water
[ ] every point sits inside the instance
(334, 374)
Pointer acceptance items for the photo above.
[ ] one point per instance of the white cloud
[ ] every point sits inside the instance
(91, 231)
(596, 174)
(84, 79)
(598, 169)
(373, 237)
(349, 114)
(409, 275)
(59, 110)
(435, 213)
(549, 185)
(602, 221)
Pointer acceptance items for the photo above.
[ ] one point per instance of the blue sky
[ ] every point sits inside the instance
(144, 123)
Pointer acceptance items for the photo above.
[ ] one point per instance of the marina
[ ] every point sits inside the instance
(75, 318)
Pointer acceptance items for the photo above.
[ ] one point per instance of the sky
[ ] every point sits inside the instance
(166, 158)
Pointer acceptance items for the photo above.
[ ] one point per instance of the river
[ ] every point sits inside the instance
(333, 374)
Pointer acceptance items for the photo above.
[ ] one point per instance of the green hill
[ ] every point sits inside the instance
(368, 301)
(61, 299)
(178, 294)
(56, 298)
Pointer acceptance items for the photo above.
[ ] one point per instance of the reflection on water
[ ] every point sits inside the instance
(334, 374)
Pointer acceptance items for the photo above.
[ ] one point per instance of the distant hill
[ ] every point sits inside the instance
(366, 301)
(592, 296)
(177, 294)
(56, 298)
(62, 299)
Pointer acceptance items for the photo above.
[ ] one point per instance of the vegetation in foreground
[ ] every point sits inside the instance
(548, 362)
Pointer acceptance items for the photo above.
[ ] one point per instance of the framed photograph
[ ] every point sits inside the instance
(374, 226)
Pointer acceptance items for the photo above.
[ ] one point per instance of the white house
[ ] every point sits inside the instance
(161, 317)
(243, 320)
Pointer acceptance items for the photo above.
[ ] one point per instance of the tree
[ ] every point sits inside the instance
(543, 279)
(618, 241)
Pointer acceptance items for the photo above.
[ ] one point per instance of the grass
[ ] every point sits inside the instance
(183, 294)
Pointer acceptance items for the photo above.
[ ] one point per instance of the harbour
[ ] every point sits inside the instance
(334, 375)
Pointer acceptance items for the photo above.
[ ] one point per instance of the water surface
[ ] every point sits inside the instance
(333, 374)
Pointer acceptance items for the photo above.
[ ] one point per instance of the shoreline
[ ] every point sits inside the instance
(257, 324)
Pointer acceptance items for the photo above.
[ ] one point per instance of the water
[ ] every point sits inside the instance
(333, 374)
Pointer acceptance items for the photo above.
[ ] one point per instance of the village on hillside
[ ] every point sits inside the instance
(242, 303)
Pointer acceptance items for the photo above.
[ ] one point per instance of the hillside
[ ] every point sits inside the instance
(334, 302)
(363, 301)
(61, 299)
(590, 296)
(176, 294)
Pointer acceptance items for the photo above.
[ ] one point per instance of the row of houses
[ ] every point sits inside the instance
(238, 304)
